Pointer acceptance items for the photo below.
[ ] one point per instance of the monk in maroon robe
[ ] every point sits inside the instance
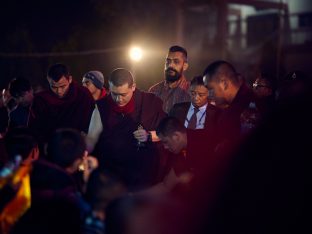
(64, 105)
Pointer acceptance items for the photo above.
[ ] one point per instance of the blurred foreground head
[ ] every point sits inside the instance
(66, 148)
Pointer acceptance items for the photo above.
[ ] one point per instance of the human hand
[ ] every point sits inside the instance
(89, 163)
(141, 135)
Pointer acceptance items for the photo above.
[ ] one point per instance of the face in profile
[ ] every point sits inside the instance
(60, 88)
(174, 66)
(199, 95)
(217, 91)
(121, 94)
(89, 85)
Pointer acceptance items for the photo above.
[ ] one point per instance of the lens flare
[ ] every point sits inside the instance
(136, 53)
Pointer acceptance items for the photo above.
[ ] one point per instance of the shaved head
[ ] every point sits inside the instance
(219, 70)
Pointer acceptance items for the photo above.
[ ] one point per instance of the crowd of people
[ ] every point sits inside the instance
(211, 154)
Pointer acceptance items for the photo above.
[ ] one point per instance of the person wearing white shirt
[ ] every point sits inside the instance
(199, 113)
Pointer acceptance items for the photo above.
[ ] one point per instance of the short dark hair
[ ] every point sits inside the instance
(221, 67)
(197, 80)
(57, 71)
(18, 86)
(121, 76)
(169, 125)
(177, 48)
(20, 141)
(65, 146)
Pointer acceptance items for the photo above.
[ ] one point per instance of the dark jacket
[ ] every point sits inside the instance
(49, 181)
(180, 111)
(229, 123)
(19, 116)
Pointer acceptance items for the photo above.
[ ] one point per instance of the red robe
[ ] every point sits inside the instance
(50, 112)
(117, 149)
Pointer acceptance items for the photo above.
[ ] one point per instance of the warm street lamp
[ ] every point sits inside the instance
(136, 54)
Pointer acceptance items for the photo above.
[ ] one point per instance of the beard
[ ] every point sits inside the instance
(172, 77)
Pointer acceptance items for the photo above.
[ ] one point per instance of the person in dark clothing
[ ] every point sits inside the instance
(102, 189)
(55, 216)
(49, 181)
(53, 181)
(207, 114)
(266, 187)
(23, 142)
(21, 90)
(174, 138)
(191, 149)
(127, 145)
(229, 92)
(67, 149)
(65, 105)
(54, 175)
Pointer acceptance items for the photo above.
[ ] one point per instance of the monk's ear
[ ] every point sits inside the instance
(224, 84)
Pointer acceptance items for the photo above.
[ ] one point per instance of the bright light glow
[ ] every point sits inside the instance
(136, 53)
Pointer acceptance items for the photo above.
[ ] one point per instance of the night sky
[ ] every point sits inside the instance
(53, 26)
(45, 21)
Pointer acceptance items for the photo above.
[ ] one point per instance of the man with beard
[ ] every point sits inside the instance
(174, 89)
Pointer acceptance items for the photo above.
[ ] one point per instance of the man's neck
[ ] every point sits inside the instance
(97, 94)
(204, 106)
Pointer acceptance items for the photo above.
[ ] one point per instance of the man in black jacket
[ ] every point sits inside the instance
(199, 113)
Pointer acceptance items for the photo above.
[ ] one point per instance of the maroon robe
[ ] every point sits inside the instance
(50, 112)
(118, 150)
